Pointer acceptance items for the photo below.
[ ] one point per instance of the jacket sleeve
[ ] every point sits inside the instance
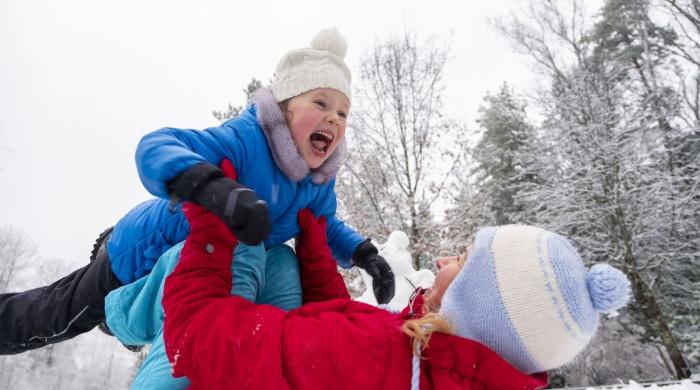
(133, 312)
(320, 280)
(165, 153)
(342, 239)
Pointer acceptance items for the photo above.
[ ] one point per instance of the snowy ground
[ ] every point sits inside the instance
(683, 385)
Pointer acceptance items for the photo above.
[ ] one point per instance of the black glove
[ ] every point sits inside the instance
(238, 206)
(367, 257)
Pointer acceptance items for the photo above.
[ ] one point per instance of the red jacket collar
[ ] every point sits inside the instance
(414, 309)
(478, 363)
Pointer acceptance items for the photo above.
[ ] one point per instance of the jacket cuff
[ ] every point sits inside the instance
(363, 250)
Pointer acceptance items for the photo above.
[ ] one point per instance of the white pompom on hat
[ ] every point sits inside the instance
(320, 66)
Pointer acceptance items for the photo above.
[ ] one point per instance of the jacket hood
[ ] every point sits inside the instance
(284, 150)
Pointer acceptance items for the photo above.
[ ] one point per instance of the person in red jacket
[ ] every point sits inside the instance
(521, 303)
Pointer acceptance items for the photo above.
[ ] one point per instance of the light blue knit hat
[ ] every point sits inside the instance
(525, 293)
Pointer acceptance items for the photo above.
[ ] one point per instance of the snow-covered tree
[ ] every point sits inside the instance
(500, 170)
(493, 175)
(232, 111)
(613, 354)
(16, 253)
(90, 361)
(627, 33)
(685, 19)
(467, 213)
(402, 145)
(605, 152)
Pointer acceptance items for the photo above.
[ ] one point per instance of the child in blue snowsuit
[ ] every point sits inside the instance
(284, 150)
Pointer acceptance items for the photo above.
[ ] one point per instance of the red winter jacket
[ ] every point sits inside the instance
(224, 342)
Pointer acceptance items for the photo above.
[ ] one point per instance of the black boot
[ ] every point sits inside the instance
(100, 248)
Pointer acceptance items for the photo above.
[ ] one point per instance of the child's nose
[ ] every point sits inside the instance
(333, 118)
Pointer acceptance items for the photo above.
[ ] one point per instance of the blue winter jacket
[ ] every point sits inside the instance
(257, 143)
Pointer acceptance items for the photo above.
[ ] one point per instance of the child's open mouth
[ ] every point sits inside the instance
(320, 142)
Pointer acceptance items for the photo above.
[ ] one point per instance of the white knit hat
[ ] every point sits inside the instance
(318, 66)
(525, 293)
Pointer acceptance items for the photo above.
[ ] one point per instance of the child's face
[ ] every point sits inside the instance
(317, 120)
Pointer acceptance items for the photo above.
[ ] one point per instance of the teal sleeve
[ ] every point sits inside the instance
(134, 312)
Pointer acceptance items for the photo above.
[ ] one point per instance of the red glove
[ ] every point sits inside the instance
(320, 279)
(206, 228)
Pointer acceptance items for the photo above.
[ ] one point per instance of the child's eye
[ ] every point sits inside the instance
(342, 115)
(320, 103)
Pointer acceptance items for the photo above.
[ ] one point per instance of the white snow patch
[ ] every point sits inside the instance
(683, 385)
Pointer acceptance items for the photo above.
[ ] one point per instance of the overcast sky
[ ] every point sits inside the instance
(82, 80)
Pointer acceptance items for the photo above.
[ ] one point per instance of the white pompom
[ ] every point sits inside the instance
(329, 39)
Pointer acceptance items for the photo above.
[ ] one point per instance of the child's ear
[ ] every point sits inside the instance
(284, 107)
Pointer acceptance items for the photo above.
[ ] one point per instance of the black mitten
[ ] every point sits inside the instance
(367, 257)
(237, 205)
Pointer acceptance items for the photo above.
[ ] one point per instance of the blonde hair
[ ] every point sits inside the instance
(421, 329)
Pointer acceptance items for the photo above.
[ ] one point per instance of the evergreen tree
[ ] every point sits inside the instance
(500, 172)
(469, 211)
(233, 111)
